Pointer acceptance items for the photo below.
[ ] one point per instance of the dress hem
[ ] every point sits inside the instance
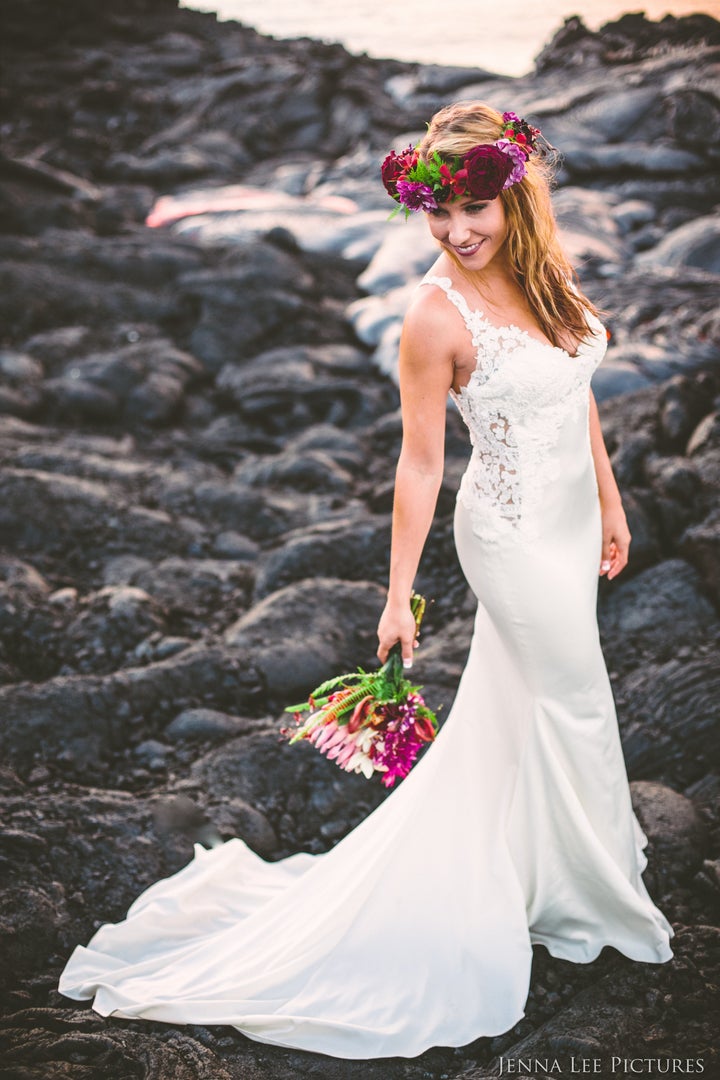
(559, 951)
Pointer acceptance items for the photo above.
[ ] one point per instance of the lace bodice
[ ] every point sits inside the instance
(526, 407)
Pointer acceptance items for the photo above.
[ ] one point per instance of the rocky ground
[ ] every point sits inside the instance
(197, 425)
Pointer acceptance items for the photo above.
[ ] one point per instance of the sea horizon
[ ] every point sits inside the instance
(464, 33)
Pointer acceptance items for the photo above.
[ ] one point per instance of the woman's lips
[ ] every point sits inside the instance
(467, 251)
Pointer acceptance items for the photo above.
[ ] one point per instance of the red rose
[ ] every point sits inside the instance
(487, 170)
(394, 168)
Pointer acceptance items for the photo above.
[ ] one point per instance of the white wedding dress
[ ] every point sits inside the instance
(515, 827)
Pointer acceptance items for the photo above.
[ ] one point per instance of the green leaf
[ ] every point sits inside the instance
(332, 684)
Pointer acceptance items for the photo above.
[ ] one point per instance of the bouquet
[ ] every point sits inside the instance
(368, 722)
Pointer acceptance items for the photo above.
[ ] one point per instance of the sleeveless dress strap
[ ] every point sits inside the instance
(454, 297)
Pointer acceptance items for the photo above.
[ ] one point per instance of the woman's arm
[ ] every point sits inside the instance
(615, 533)
(425, 376)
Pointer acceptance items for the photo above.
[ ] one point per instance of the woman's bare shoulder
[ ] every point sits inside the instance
(428, 307)
(428, 325)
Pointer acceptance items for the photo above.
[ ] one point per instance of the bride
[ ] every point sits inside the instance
(516, 828)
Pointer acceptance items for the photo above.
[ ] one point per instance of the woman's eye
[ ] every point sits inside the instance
(476, 207)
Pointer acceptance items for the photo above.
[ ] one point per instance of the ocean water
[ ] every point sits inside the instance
(501, 37)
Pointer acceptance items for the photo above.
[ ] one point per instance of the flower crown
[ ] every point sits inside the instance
(481, 173)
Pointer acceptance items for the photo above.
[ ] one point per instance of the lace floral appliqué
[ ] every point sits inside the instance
(518, 398)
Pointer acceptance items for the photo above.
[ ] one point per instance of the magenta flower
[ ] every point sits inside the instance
(518, 157)
(404, 735)
(416, 196)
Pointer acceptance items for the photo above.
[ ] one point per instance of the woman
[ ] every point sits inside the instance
(516, 827)
(500, 250)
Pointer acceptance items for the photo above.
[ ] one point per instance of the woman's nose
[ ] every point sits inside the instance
(458, 231)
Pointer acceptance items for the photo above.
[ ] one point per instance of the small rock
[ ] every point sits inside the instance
(64, 598)
(674, 477)
(654, 361)
(629, 458)
(39, 775)
(235, 817)
(633, 213)
(635, 157)
(617, 377)
(123, 569)
(179, 815)
(705, 435)
(700, 544)
(125, 602)
(645, 547)
(669, 716)
(711, 873)
(344, 548)
(21, 840)
(152, 753)
(169, 646)
(654, 610)
(233, 545)
(195, 584)
(10, 782)
(310, 470)
(697, 243)
(682, 405)
(306, 630)
(19, 367)
(164, 167)
(22, 579)
(672, 825)
(55, 346)
(342, 446)
(404, 255)
(207, 724)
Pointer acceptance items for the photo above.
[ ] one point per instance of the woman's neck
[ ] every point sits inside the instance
(495, 286)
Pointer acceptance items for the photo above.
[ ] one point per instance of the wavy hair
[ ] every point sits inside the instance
(537, 259)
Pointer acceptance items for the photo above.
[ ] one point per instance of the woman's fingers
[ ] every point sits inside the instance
(615, 555)
(407, 646)
(619, 560)
(608, 551)
(402, 631)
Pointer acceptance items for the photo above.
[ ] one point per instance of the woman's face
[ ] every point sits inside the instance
(472, 229)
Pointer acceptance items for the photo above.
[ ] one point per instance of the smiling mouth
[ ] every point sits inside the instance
(468, 250)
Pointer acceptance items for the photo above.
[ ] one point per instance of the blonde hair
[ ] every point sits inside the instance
(540, 265)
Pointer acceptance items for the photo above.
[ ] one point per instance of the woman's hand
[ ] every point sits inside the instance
(615, 540)
(397, 624)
